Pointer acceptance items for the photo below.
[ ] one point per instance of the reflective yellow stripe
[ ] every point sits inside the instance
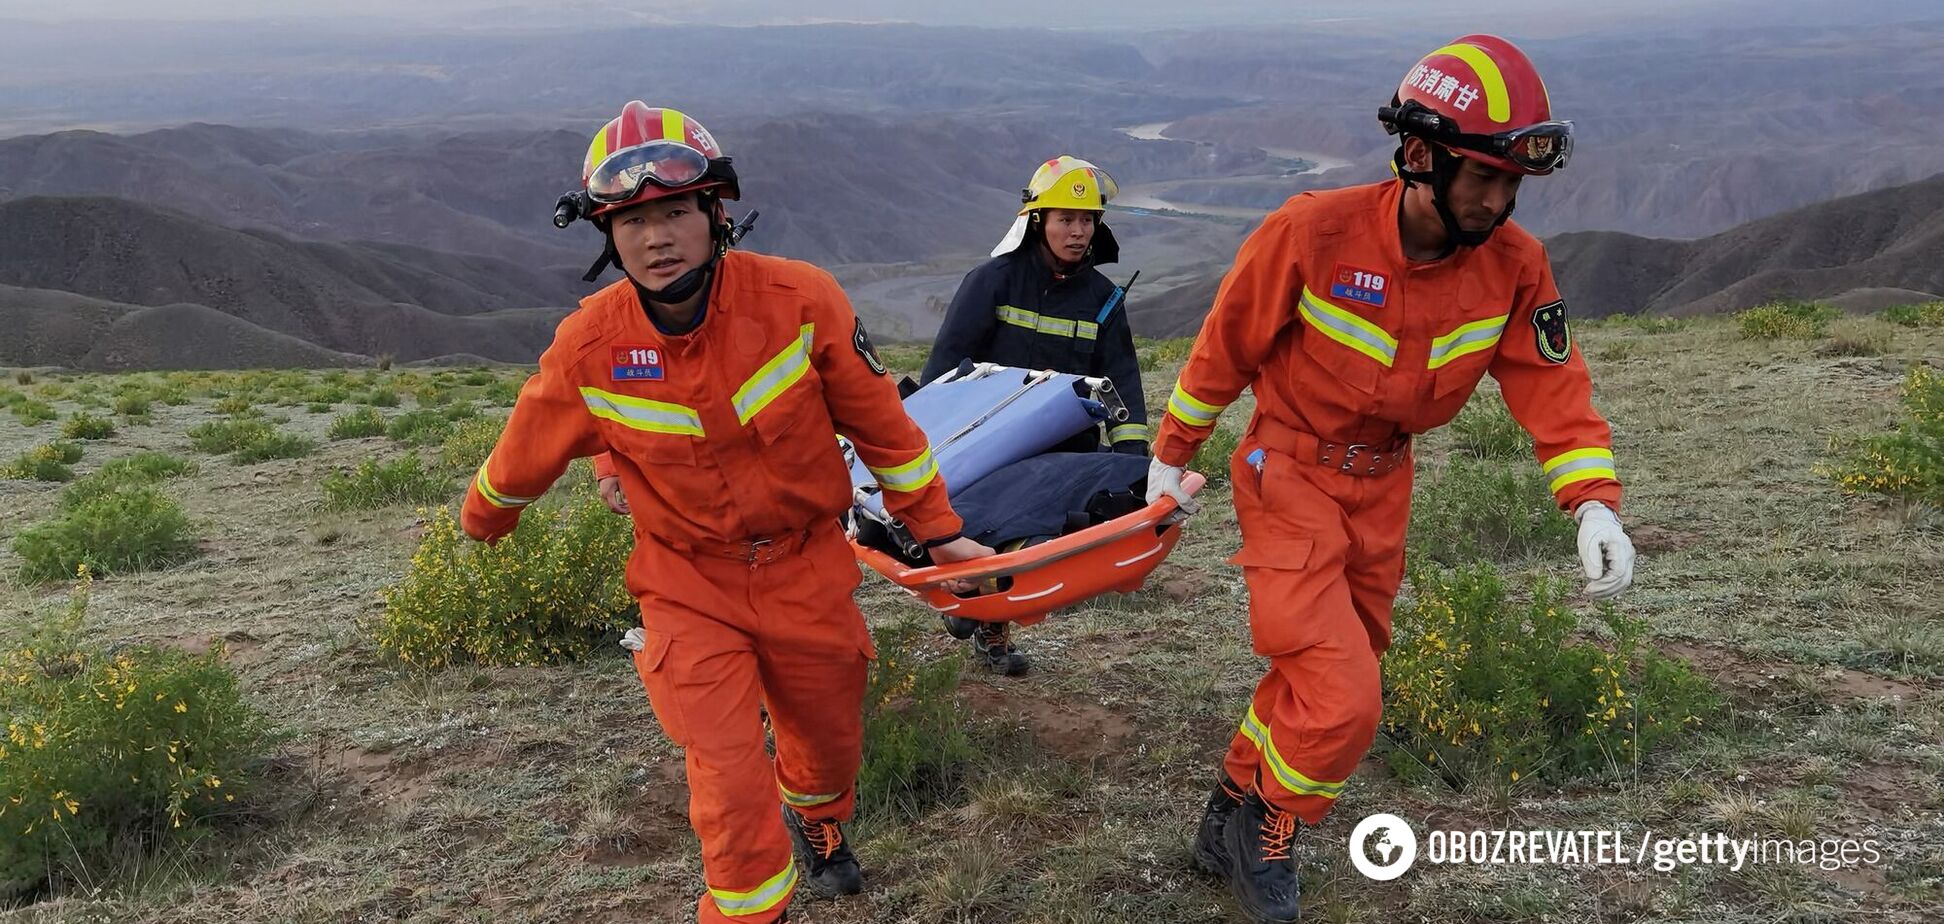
(1045, 324)
(1257, 731)
(1498, 104)
(1347, 328)
(1579, 465)
(1018, 317)
(1466, 340)
(1192, 410)
(799, 800)
(776, 376)
(641, 413)
(1127, 432)
(503, 501)
(910, 476)
(759, 899)
(672, 126)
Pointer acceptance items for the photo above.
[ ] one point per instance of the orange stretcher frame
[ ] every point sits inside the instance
(1117, 555)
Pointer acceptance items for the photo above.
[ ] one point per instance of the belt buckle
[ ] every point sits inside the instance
(755, 549)
(1350, 455)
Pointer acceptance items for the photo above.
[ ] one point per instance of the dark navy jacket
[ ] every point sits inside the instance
(1014, 311)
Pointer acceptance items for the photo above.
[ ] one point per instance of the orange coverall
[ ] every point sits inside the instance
(724, 440)
(1349, 348)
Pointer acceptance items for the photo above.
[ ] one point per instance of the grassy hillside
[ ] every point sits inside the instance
(548, 793)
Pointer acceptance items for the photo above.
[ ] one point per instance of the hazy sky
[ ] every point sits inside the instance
(1544, 15)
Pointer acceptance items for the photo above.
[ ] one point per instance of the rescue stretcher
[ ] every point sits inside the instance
(981, 418)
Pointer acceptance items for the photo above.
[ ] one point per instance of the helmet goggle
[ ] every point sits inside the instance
(1041, 185)
(668, 164)
(1538, 148)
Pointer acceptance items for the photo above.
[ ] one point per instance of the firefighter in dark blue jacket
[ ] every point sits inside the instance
(1041, 303)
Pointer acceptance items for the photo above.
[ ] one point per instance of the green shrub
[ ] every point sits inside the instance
(477, 377)
(133, 406)
(23, 377)
(1474, 510)
(465, 448)
(1791, 319)
(502, 393)
(64, 452)
(1212, 459)
(44, 463)
(1154, 354)
(419, 428)
(458, 411)
(357, 424)
(1486, 430)
(1479, 689)
(1907, 463)
(274, 445)
(916, 748)
(432, 395)
(220, 436)
(1928, 314)
(142, 468)
(234, 405)
(112, 752)
(33, 412)
(550, 591)
(52, 391)
(128, 528)
(328, 393)
(88, 427)
(380, 397)
(372, 485)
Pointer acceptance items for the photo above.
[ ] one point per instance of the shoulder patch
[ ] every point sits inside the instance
(862, 342)
(1550, 333)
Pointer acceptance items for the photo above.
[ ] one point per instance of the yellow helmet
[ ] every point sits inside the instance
(1067, 182)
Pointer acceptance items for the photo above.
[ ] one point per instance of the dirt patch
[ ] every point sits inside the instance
(1180, 584)
(1648, 537)
(1886, 789)
(381, 782)
(647, 829)
(1080, 731)
(1742, 670)
(240, 648)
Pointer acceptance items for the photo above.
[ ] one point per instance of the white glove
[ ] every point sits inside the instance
(1166, 479)
(1605, 551)
(635, 639)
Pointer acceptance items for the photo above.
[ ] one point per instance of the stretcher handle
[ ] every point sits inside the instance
(1006, 564)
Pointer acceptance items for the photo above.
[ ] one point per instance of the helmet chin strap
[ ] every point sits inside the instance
(1444, 167)
(686, 285)
(683, 288)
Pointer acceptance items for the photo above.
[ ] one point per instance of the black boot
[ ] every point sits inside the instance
(994, 644)
(960, 627)
(828, 864)
(1262, 867)
(1211, 847)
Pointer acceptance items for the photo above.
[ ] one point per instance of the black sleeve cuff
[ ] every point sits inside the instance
(935, 543)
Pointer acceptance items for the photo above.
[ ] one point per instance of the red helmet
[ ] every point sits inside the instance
(647, 153)
(1481, 97)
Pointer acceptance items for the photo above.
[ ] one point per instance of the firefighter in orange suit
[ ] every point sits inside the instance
(1359, 317)
(717, 380)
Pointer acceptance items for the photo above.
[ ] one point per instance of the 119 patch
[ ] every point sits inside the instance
(1359, 285)
(1554, 339)
(636, 363)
